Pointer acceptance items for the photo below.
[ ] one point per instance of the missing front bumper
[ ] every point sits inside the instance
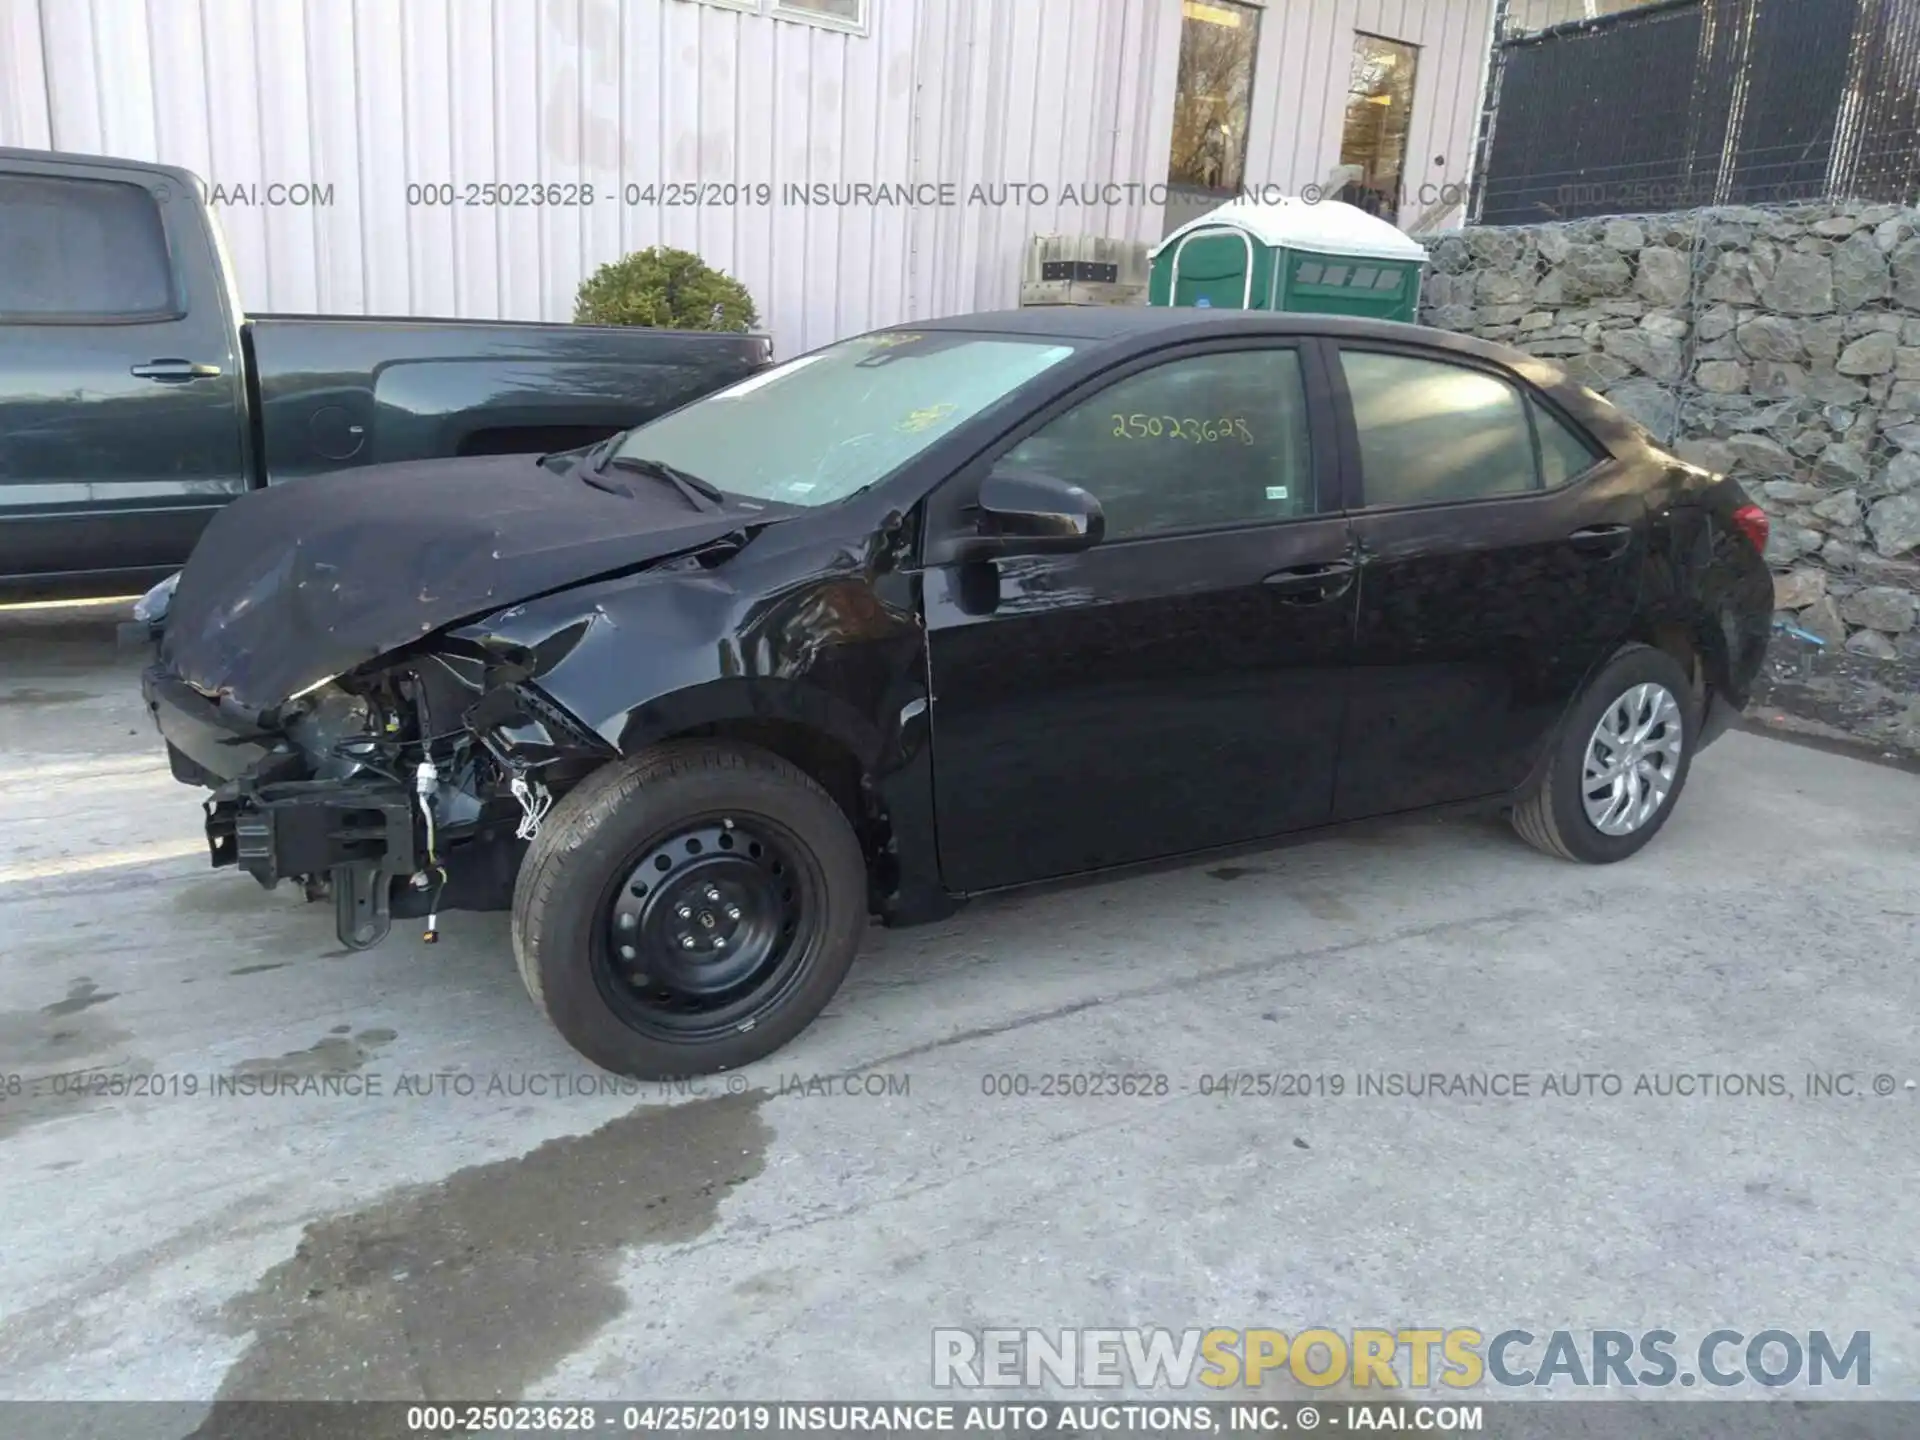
(359, 834)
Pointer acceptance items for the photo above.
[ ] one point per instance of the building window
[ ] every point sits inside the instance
(1379, 115)
(1213, 95)
(849, 15)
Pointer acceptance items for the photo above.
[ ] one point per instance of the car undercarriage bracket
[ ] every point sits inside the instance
(362, 914)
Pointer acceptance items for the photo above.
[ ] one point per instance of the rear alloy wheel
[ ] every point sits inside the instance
(1619, 764)
(689, 911)
(1633, 758)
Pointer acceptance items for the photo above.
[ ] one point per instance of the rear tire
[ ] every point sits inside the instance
(1619, 763)
(619, 944)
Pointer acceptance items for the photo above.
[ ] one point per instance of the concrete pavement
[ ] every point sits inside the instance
(298, 1171)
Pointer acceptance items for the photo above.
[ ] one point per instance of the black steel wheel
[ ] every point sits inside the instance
(690, 910)
(713, 924)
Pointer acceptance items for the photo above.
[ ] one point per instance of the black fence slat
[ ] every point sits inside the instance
(1591, 119)
(1796, 78)
(1883, 158)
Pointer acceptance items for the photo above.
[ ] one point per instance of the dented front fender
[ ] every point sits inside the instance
(827, 638)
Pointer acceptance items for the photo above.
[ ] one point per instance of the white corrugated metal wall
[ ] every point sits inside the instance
(372, 96)
(1306, 47)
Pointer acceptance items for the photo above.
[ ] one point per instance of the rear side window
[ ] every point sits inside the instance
(81, 249)
(1431, 431)
(1563, 454)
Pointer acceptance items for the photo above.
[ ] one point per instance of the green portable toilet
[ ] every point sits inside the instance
(1329, 257)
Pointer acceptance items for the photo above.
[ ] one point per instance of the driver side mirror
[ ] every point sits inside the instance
(1023, 512)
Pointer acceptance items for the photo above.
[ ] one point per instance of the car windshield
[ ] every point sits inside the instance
(820, 427)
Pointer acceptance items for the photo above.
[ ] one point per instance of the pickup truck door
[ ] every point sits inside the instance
(122, 399)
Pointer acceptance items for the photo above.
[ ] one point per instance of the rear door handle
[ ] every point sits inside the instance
(1606, 540)
(1312, 584)
(175, 370)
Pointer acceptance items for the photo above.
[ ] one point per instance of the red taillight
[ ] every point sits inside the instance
(1752, 521)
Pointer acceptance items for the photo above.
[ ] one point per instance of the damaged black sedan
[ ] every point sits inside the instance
(941, 610)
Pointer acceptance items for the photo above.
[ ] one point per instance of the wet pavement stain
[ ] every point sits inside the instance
(779, 1283)
(52, 1048)
(1324, 905)
(260, 969)
(82, 994)
(46, 697)
(1235, 872)
(55, 1035)
(331, 1054)
(476, 1286)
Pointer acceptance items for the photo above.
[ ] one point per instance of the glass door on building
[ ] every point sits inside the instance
(1213, 97)
(1379, 118)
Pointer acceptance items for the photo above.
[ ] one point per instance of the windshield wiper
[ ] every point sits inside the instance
(703, 495)
(587, 454)
(612, 487)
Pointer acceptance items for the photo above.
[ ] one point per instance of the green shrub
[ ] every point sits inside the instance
(666, 289)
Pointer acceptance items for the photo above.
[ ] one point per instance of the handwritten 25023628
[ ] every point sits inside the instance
(1173, 427)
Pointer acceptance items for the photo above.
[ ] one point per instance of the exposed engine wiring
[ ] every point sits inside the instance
(426, 781)
(535, 800)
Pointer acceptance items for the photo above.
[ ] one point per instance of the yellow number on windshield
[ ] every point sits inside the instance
(927, 418)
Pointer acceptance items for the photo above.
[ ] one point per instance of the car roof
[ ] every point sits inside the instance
(1150, 326)
(1109, 334)
(74, 159)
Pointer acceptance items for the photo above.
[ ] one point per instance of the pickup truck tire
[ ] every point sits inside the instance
(633, 853)
(1565, 813)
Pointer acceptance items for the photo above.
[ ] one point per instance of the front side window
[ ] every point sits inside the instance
(1214, 440)
(1379, 116)
(81, 249)
(820, 427)
(1432, 431)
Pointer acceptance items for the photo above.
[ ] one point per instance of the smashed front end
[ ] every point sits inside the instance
(401, 789)
(310, 673)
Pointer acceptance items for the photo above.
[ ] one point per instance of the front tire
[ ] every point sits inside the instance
(689, 911)
(1619, 763)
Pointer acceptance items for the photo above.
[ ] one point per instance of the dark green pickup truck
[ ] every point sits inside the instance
(136, 398)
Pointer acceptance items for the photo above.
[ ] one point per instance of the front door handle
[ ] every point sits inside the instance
(175, 370)
(1312, 584)
(1607, 540)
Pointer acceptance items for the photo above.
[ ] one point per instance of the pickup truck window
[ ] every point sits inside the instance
(82, 250)
(825, 425)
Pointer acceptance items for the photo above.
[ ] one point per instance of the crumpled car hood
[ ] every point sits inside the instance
(297, 583)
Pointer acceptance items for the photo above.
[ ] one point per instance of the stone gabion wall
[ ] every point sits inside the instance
(1778, 345)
